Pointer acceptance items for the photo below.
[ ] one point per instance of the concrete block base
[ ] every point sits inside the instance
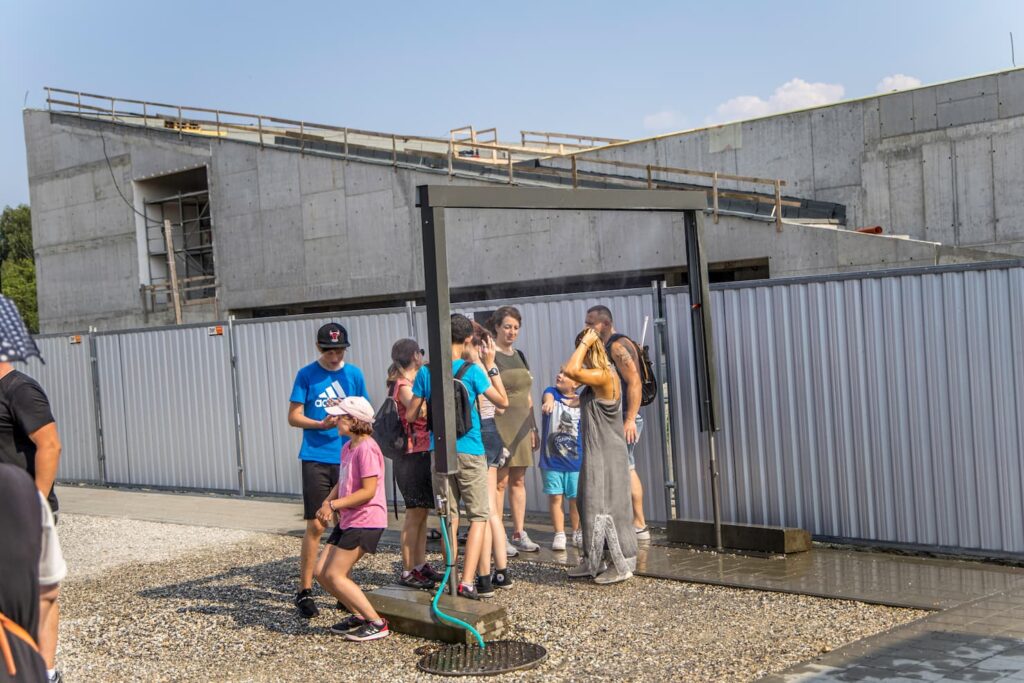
(408, 611)
(769, 539)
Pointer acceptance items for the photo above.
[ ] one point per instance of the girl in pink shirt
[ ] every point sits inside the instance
(361, 509)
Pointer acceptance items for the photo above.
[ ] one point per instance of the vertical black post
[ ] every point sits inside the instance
(439, 333)
(94, 372)
(236, 399)
(704, 353)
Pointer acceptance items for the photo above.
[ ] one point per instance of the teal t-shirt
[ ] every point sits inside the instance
(476, 382)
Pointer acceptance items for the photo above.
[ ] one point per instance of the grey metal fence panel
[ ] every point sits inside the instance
(178, 409)
(884, 408)
(550, 325)
(66, 377)
(113, 416)
(269, 355)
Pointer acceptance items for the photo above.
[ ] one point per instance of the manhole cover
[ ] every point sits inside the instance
(500, 656)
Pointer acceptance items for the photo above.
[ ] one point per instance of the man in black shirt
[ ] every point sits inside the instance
(29, 440)
(20, 537)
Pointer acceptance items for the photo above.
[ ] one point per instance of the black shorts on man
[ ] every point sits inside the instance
(318, 478)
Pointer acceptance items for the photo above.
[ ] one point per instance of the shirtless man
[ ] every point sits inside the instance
(624, 355)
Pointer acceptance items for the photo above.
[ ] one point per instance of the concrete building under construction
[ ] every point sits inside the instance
(146, 213)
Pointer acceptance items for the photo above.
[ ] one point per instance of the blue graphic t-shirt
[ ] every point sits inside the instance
(560, 449)
(313, 386)
(476, 382)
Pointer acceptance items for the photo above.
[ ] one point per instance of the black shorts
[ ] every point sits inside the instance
(354, 537)
(412, 472)
(318, 478)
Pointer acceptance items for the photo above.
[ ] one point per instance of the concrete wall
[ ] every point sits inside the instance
(293, 229)
(942, 163)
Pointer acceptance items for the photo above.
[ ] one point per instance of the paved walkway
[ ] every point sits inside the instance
(978, 635)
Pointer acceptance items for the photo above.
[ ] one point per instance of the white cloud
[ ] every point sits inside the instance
(794, 94)
(897, 82)
(665, 120)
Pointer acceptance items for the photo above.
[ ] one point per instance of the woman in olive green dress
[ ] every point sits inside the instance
(516, 423)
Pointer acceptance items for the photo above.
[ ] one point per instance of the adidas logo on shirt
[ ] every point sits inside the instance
(333, 391)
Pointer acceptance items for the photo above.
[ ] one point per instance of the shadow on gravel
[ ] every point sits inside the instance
(258, 595)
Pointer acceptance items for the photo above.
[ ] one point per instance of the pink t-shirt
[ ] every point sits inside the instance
(357, 463)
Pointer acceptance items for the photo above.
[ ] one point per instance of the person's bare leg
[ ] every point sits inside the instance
(557, 515)
(414, 538)
(453, 545)
(307, 556)
(471, 558)
(419, 555)
(517, 497)
(637, 494)
(335, 577)
(574, 515)
(49, 617)
(485, 551)
(502, 487)
(498, 539)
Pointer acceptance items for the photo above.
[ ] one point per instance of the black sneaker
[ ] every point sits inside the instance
(350, 624)
(428, 572)
(468, 592)
(369, 631)
(501, 578)
(306, 604)
(483, 587)
(415, 580)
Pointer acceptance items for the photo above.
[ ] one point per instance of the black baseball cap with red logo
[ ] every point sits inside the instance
(332, 336)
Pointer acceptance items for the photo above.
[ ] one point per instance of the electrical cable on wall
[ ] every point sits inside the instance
(110, 167)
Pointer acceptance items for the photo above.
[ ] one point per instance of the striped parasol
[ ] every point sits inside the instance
(15, 341)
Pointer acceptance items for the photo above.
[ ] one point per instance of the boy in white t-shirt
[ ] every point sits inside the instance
(561, 455)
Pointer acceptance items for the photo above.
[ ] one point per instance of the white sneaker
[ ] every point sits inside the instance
(643, 534)
(524, 543)
(577, 538)
(510, 550)
(558, 543)
(612, 575)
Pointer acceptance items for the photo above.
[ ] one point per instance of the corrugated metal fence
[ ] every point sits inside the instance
(880, 406)
(885, 407)
(169, 403)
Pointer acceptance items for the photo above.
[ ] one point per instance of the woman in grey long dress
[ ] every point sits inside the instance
(606, 509)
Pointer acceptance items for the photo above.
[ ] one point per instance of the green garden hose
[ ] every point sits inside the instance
(444, 582)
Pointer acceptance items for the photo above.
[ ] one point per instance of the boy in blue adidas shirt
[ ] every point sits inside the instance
(561, 456)
(328, 377)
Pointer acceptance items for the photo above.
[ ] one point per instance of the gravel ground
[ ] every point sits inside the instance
(164, 602)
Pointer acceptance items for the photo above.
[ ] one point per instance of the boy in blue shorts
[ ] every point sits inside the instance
(561, 456)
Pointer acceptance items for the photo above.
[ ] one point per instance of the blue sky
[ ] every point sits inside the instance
(619, 69)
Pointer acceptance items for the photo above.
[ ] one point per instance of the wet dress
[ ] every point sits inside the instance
(516, 422)
(605, 505)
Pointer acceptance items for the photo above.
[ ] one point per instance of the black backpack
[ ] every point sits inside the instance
(648, 382)
(463, 406)
(388, 431)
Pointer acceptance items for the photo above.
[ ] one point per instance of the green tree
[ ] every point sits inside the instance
(17, 262)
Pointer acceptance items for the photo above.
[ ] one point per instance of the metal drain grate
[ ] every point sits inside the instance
(500, 656)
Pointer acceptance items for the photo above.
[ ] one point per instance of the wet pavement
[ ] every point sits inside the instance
(975, 634)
